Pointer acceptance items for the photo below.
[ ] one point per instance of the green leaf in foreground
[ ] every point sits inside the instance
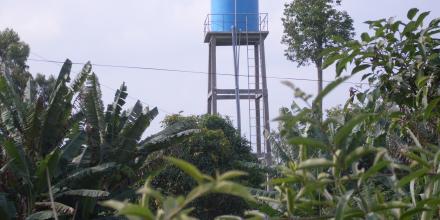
(188, 168)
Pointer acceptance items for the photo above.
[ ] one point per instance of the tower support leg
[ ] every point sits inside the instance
(257, 100)
(212, 87)
(265, 104)
(209, 81)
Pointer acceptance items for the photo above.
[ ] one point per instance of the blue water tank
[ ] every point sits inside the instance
(223, 17)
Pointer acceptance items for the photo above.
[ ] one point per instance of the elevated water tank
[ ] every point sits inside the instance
(223, 15)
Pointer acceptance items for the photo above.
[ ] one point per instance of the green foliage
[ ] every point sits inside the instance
(58, 132)
(170, 207)
(14, 54)
(376, 158)
(311, 27)
(216, 147)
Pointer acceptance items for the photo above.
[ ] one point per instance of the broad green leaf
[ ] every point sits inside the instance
(344, 132)
(18, 159)
(136, 210)
(231, 175)
(329, 88)
(421, 18)
(413, 175)
(188, 168)
(50, 163)
(365, 37)
(330, 60)
(199, 191)
(308, 142)
(234, 189)
(412, 12)
(342, 205)
(328, 51)
(315, 163)
(410, 27)
(129, 209)
(360, 68)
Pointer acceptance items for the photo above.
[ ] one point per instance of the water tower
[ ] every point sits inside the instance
(235, 24)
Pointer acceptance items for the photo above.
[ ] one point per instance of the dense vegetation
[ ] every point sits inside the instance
(64, 156)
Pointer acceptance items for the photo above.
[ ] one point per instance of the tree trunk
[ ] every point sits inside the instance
(319, 104)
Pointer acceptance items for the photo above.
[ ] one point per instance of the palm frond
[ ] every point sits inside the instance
(12, 108)
(84, 193)
(113, 113)
(167, 137)
(59, 207)
(29, 92)
(94, 113)
(19, 162)
(32, 129)
(79, 81)
(132, 133)
(79, 178)
(56, 118)
(71, 149)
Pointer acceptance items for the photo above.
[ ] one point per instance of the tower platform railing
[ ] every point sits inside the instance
(223, 22)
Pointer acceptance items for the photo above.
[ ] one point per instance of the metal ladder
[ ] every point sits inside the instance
(251, 67)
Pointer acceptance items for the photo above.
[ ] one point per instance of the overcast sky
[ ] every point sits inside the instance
(168, 34)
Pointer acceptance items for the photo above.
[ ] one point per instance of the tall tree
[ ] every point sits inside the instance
(310, 26)
(14, 53)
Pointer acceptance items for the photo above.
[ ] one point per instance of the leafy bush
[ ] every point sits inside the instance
(378, 157)
(216, 148)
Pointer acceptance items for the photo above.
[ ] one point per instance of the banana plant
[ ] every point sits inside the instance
(33, 131)
(62, 154)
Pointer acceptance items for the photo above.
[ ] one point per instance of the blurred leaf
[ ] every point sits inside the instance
(357, 154)
(421, 18)
(360, 68)
(329, 88)
(413, 175)
(231, 175)
(129, 209)
(342, 205)
(315, 163)
(344, 132)
(235, 189)
(308, 142)
(188, 168)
